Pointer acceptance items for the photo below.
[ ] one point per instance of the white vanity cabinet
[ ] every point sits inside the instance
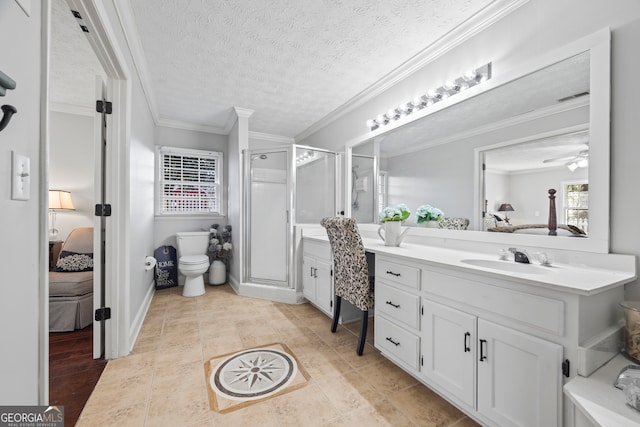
(317, 280)
(317, 275)
(397, 312)
(518, 381)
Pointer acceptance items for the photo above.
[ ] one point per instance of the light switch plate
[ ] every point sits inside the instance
(20, 177)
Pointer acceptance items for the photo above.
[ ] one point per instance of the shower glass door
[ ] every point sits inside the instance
(315, 181)
(268, 222)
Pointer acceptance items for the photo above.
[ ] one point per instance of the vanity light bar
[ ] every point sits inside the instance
(449, 88)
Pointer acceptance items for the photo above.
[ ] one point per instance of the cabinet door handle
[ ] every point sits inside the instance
(467, 336)
(393, 274)
(392, 341)
(393, 305)
(311, 271)
(483, 357)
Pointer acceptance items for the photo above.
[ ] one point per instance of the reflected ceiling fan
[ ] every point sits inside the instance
(580, 160)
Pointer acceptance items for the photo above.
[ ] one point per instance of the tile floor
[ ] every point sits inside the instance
(162, 383)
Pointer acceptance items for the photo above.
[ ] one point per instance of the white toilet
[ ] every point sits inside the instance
(193, 261)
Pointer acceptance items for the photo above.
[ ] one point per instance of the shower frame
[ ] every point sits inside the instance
(290, 216)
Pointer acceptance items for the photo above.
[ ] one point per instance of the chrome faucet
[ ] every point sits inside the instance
(520, 256)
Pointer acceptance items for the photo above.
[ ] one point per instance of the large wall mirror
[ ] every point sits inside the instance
(540, 126)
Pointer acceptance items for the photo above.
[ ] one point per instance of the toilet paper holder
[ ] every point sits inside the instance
(149, 263)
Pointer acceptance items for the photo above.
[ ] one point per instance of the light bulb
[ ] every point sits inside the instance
(572, 166)
(380, 119)
(432, 94)
(583, 163)
(450, 85)
(470, 75)
(370, 123)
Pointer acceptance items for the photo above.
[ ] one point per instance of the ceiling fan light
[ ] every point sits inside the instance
(582, 163)
(572, 166)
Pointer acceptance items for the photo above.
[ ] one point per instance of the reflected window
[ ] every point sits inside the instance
(576, 202)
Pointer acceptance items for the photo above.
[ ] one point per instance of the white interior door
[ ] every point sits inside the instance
(99, 126)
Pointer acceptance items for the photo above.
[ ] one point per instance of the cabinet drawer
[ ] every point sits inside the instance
(396, 342)
(398, 273)
(316, 249)
(397, 304)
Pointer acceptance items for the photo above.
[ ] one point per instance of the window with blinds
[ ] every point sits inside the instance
(577, 205)
(189, 181)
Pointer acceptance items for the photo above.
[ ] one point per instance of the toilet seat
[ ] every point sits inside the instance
(194, 260)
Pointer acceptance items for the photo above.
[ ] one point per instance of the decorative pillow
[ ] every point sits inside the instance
(72, 261)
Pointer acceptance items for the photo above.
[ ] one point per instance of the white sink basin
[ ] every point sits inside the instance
(506, 266)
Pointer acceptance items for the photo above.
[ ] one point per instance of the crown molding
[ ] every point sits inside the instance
(124, 12)
(61, 107)
(491, 127)
(463, 32)
(177, 124)
(259, 136)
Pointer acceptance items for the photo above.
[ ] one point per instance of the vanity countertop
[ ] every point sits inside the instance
(599, 400)
(583, 280)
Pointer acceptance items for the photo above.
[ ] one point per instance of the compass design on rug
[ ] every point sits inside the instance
(253, 374)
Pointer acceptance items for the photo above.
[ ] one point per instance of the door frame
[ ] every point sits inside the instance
(102, 39)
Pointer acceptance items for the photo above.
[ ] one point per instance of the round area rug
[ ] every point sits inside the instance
(253, 374)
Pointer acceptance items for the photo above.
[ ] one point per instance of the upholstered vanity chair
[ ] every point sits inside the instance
(454, 223)
(351, 271)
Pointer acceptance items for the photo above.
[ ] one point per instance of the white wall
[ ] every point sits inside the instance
(71, 168)
(21, 306)
(166, 227)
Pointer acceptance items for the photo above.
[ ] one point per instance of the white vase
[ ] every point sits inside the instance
(430, 224)
(393, 233)
(217, 273)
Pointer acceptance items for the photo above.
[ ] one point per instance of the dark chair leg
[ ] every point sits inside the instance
(336, 312)
(363, 332)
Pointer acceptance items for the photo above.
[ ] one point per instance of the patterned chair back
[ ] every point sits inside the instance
(454, 223)
(351, 273)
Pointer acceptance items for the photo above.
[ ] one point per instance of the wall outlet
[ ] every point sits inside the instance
(20, 177)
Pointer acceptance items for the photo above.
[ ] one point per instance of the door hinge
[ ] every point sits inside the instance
(565, 368)
(103, 313)
(104, 106)
(103, 209)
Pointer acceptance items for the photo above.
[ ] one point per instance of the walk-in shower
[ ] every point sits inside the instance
(284, 186)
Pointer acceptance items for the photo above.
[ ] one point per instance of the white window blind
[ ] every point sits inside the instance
(189, 181)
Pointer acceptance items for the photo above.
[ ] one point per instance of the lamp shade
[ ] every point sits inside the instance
(60, 200)
(505, 207)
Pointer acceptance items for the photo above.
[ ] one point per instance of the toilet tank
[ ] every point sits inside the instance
(192, 243)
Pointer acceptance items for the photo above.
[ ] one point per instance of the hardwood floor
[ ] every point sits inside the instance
(73, 373)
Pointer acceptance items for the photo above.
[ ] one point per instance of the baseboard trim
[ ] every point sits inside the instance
(138, 320)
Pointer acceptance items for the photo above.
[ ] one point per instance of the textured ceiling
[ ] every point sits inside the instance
(291, 61)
